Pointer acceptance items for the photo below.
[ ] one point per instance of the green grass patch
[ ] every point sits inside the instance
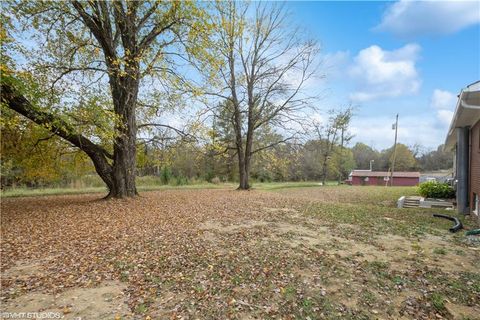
(438, 301)
(272, 186)
(30, 192)
(367, 213)
(440, 251)
(151, 184)
(141, 308)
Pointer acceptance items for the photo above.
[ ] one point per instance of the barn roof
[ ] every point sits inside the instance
(398, 174)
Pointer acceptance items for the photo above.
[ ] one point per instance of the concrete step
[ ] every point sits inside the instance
(409, 202)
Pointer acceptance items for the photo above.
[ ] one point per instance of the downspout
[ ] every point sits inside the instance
(463, 157)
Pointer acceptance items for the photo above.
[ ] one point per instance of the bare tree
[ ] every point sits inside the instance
(327, 135)
(333, 134)
(261, 69)
(344, 119)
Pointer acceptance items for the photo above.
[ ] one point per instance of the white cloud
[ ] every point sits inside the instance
(428, 129)
(443, 99)
(377, 131)
(381, 73)
(445, 116)
(412, 18)
(333, 64)
(444, 102)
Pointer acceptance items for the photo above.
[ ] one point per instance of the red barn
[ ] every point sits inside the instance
(381, 178)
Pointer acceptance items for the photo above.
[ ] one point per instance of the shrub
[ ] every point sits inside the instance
(166, 175)
(262, 176)
(179, 181)
(209, 175)
(433, 189)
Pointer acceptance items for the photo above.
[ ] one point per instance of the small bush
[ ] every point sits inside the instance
(179, 181)
(209, 176)
(166, 175)
(433, 189)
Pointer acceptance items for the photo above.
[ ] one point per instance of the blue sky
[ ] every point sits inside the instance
(410, 58)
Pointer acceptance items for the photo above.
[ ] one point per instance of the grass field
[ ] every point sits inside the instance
(31, 192)
(276, 252)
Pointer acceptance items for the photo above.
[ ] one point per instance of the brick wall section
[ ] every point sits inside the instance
(474, 162)
(378, 181)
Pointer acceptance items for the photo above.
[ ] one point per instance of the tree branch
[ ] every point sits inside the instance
(17, 102)
(178, 131)
(272, 144)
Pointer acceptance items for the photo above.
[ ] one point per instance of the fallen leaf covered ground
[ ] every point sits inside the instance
(304, 253)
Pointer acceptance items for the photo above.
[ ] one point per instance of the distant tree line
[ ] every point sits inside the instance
(409, 158)
(33, 157)
(86, 85)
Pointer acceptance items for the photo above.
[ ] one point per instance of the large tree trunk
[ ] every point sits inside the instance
(245, 169)
(246, 184)
(124, 150)
(324, 169)
(244, 157)
(243, 174)
(124, 167)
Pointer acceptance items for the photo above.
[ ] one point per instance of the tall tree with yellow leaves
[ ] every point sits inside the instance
(96, 65)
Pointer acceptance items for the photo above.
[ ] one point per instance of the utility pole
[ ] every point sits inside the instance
(395, 126)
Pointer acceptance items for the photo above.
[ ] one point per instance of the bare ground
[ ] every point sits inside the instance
(316, 253)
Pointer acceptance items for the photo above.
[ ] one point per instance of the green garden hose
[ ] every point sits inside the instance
(472, 232)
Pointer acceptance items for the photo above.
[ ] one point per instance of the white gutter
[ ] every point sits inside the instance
(461, 105)
(470, 106)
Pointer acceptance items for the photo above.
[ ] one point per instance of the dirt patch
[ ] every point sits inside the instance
(103, 302)
(289, 211)
(432, 250)
(361, 251)
(293, 235)
(462, 312)
(166, 305)
(227, 228)
(22, 270)
(397, 250)
(296, 235)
